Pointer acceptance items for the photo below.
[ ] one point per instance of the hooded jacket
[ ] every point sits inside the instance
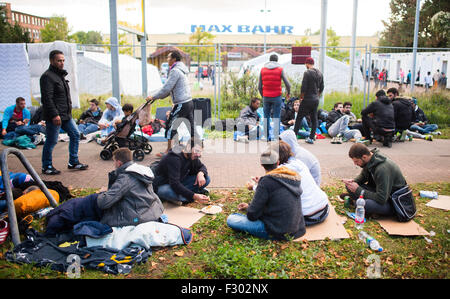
(383, 111)
(130, 199)
(109, 116)
(55, 94)
(278, 205)
(383, 174)
(270, 80)
(303, 155)
(177, 85)
(404, 114)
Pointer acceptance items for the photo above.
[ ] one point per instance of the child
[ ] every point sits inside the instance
(120, 123)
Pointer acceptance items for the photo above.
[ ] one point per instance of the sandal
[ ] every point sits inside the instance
(4, 231)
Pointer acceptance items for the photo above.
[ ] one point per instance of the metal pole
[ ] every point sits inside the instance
(144, 54)
(416, 33)
(265, 24)
(15, 234)
(364, 76)
(220, 62)
(114, 49)
(215, 82)
(352, 50)
(323, 42)
(370, 73)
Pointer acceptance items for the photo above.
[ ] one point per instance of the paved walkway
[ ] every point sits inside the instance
(231, 164)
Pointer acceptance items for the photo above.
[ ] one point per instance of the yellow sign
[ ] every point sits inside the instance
(130, 15)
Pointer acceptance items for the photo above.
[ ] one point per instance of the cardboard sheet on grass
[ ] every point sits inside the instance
(442, 202)
(331, 228)
(182, 216)
(410, 228)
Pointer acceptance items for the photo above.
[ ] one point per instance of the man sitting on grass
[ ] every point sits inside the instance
(180, 175)
(379, 178)
(276, 209)
(128, 200)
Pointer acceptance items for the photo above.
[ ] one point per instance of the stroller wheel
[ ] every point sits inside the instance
(112, 148)
(138, 155)
(147, 148)
(106, 154)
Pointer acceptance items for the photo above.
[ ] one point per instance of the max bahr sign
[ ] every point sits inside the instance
(254, 29)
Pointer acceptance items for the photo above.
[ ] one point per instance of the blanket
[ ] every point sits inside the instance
(147, 235)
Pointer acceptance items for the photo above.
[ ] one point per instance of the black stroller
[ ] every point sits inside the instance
(136, 143)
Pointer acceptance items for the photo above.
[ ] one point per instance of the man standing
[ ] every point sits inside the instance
(436, 77)
(312, 88)
(15, 116)
(270, 89)
(57, 113)
(428, 81)
(177, 86)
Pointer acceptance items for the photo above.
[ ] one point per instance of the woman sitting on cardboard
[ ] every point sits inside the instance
(276, 209)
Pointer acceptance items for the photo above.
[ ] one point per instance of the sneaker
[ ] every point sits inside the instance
(242, 139)
(38, 139)
(50, 170)
(78, 166)
(429, 137)
(309, 140)
(403, 136)
(339, 140)
(436, 133)
(333, 140)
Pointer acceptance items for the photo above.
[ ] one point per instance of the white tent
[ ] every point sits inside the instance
(336, 77)
(94, 74)
(14, 75)
(39, 62)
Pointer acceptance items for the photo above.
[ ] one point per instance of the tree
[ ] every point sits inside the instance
(399, 29)
(12, 34)
(87, 38)
(333, 41)
(304, 42)
(200, 37)
(122, 37)
(56, 29)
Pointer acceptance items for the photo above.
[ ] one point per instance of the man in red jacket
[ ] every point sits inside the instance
(270, 89)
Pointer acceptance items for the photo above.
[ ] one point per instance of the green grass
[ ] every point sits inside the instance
(219, 252)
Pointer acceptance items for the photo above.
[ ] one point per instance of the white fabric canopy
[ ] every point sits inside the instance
(14, 75)
(336, 77)
(39, 63)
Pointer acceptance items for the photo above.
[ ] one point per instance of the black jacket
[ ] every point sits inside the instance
(383, 111)
(333, 116)
(55, 94)
(277, 203)
(173, 169)
(312, 83)
(286, 116)
(420, 116)
(403, 114)
(89, 118)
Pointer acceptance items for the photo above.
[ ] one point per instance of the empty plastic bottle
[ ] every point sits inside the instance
(359, 212)
(370, 241)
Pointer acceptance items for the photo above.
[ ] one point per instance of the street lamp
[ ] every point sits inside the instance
(265, 10)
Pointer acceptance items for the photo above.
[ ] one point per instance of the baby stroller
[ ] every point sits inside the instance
(138, 144)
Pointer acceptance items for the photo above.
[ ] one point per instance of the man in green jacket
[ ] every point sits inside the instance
(379, 178)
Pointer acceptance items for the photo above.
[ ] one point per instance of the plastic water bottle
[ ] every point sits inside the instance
(359, 212)
(370, 241)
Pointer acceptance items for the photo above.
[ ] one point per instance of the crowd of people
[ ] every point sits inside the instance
(287, 199)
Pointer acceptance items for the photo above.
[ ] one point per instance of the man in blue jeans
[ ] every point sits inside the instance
(180, 176)
(57, 113)
(276, 209)
(270, 89)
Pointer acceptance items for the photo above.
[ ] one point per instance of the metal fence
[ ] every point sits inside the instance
(214, 68)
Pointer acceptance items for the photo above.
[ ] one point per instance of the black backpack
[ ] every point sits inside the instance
(404, 204)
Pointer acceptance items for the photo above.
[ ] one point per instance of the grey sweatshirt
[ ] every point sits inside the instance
(177, 85)
(273, 65)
